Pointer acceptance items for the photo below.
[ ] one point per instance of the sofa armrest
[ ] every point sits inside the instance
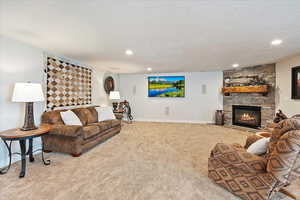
(236, 158)
(284, 161)
(66, 130)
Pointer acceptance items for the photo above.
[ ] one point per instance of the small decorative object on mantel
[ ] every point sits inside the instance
(28, 93)
(296, 82)
(109, 84)
(250, 80)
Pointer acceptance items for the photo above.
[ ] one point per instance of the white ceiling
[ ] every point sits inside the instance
(166, 35)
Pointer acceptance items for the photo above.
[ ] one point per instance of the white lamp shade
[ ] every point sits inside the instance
(27, 92)
(114, 95)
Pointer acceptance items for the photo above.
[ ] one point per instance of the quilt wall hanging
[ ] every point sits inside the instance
(67, 84)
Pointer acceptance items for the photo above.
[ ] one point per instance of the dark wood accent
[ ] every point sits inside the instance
(109, 84)
(246, 89)
(47, 151)
(76, 154)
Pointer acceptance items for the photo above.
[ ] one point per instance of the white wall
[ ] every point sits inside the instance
(283, 84)
(20, 62)
(195, 107)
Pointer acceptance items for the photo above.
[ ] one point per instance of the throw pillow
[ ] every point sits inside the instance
(259, 147)
(105, 113)
(70, 118)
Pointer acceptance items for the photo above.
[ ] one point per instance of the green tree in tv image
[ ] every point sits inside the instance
(166, 86)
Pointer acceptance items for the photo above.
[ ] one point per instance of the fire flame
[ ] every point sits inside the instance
(247, 117)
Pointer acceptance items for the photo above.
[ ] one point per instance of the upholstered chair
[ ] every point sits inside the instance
(259, 177)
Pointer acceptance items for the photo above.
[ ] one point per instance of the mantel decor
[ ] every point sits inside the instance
(246, 89)
(296, 82)
(67, 84)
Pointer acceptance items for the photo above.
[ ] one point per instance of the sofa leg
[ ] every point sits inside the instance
(47, 151)
(76, 154)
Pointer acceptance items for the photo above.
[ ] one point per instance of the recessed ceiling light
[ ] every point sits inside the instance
(149, 69)
(276, 42)
(235, 65)
(129, 52)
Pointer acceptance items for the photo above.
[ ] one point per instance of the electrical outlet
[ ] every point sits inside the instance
(203, 89)
(167, 110)
(134, 90)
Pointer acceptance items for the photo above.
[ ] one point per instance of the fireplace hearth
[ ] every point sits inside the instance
(248, 116)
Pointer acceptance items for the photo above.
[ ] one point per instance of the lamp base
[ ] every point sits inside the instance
(28, 129)
(29, 118)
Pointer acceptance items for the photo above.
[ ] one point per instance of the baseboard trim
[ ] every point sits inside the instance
(174, 121)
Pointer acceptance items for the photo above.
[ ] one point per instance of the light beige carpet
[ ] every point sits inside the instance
(146, 161)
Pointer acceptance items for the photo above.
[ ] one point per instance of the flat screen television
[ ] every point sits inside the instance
(166, 86)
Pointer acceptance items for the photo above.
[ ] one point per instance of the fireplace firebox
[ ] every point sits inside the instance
(248, 116)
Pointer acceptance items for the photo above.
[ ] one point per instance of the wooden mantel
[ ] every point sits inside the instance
(246, 89)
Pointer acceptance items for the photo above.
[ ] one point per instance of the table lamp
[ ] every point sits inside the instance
(28, 93)
(114, 95)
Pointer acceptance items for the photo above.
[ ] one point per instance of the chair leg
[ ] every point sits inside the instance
(287, 193)
(76, 155)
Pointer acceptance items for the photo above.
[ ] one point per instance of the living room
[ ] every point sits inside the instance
(143, 100)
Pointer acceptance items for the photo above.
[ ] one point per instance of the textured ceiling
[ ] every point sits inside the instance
(166, 35)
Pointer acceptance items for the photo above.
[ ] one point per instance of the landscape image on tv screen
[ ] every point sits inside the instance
(166, 86)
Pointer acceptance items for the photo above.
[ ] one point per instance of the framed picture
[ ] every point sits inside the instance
(296, 82)
(166, 86)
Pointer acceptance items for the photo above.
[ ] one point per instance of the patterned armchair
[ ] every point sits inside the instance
(258, 177)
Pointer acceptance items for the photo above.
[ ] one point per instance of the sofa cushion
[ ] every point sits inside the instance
(52, 117)
(94, 113)
(90, 131)
(66, 130)
(113, 122)
(70, 118)
(84, 115)
(259, 147)
(104, 125)
(105, 113)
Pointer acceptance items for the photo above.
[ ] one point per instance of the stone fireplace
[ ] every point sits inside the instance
(248, 116)
(266, 103)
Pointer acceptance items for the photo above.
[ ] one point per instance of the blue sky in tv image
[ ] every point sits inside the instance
(166, 78)
(166, 86)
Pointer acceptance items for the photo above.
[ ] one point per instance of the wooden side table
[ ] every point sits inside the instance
(21, 136)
